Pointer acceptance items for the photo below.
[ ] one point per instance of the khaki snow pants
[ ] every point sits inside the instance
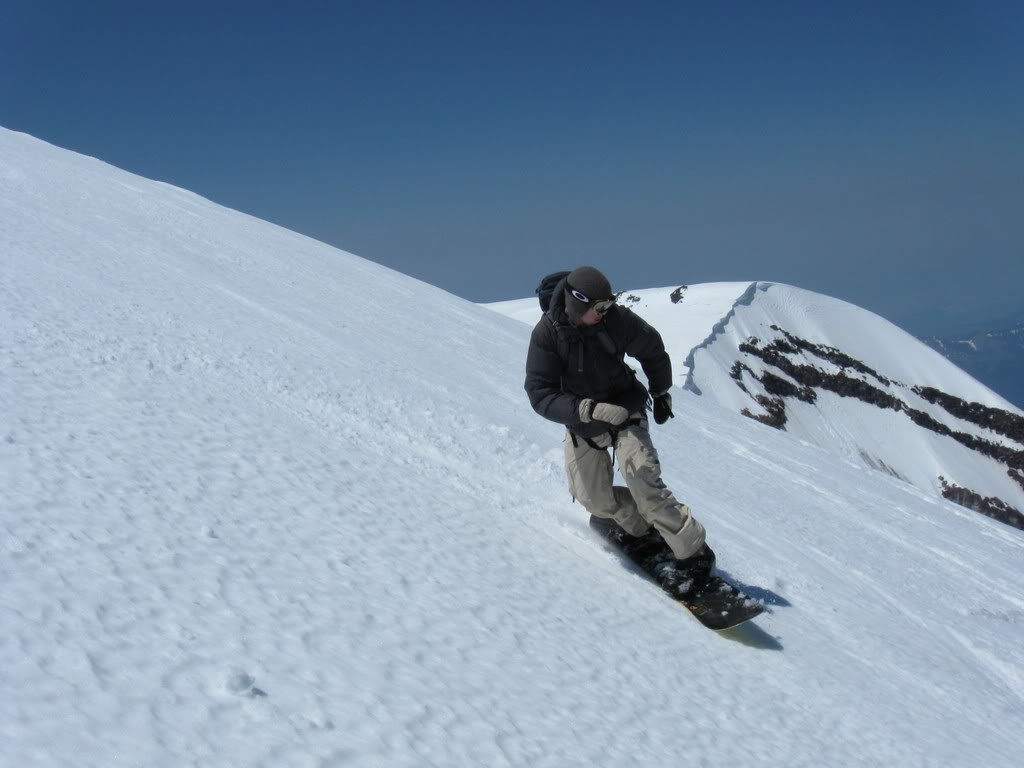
(645, 502)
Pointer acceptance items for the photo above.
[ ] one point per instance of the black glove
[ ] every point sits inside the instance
(663, 408)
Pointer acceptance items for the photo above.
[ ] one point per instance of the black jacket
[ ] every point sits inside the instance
(566, 364)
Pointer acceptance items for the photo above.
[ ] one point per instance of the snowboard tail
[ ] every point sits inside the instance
(716, 603)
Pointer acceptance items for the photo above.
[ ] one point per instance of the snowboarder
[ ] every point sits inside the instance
(576, 375)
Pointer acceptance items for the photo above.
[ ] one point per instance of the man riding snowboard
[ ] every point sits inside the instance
(576, 376)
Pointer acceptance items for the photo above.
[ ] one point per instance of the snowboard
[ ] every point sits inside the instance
(716, 604)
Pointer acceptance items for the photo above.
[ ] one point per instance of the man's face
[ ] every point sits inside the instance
(591, 317)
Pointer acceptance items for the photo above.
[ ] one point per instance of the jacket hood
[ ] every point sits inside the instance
(556, 309)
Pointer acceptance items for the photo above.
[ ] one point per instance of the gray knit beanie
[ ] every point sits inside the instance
(589, 282)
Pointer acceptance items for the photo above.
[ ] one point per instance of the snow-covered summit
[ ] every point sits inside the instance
(269, 504)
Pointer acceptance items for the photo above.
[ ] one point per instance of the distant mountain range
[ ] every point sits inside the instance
(994, 357)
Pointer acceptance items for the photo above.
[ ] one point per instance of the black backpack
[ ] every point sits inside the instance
(547, 288)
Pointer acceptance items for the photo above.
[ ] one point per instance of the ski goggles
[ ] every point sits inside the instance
(601, 306)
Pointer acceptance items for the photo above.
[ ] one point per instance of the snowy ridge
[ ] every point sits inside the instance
(717, 330)
(862, 392)
(270, 504)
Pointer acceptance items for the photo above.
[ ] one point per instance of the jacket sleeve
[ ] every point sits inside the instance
(544, 379)
(644, 343)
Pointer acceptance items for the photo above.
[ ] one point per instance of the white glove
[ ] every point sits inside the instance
(606, 412)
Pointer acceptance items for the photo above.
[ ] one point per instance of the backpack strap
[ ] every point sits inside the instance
(615, 432)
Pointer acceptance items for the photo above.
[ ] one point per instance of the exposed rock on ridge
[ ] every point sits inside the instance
(853, 378)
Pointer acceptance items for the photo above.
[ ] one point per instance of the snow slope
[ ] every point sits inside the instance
(705, 331)
(269, 504)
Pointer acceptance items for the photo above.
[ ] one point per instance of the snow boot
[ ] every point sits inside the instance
(695, 569)
(638, 547)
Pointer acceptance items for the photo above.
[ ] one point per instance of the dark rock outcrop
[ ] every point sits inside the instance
(1017, 476)
(775, 411)
(802, 382)
(810, 377)
(831, 354)
(1002, 422)
(990, 506)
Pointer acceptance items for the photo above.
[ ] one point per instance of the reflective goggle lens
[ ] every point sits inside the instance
(601, 306)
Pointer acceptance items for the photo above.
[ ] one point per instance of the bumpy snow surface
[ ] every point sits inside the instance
(269, 504)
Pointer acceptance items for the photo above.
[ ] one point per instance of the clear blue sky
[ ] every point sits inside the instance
(872, 151)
